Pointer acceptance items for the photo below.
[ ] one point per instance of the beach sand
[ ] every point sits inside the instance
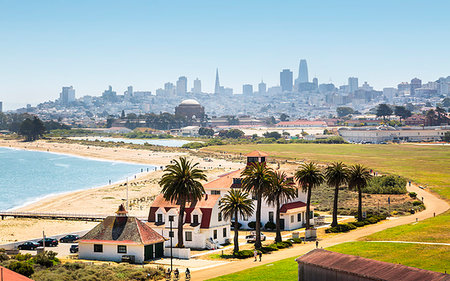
(103, 200)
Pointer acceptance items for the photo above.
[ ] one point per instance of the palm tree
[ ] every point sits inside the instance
(256, 178)
(280, 191)
(309, 176)
(181, 183)
(357, 179)
(236, 204)
(336, 175)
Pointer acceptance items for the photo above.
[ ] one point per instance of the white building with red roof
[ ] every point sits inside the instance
(204, 226)
(119, 236)
(293, 212)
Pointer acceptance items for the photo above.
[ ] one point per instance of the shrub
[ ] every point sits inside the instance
(345, 227)
(47, 259)
(3, 257)
(270, 225)
(358, 223)
(252, 224)
(23, 257)
(386, 185)
(413, 195)
(193, 145)
(243, 254)
(239, 225)
(21, 267)
(270, 248)
(283, 244)
(371, 220)
(296, 240)
(417, 203)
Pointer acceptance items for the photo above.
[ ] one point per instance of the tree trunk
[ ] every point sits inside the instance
(360, 217)
(308, 205)
(180, 224)
(236, 232)
(335, 205)
(278, 236)
(258, 221)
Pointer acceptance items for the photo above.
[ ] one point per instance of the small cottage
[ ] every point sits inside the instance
(119, 236)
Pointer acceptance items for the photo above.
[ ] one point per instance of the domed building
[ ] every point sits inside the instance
(190, 108)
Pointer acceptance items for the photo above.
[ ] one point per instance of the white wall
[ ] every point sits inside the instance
(86, 251)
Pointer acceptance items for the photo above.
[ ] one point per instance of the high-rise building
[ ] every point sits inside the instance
(247, 89)
(303, 72)
(182, 86)
(197, 86)
(67, 95)
(169, 88)
(415, 84)
(129, 92)
(217, 84)
(262, 87)
(109, 95)
(286, 80)
(1, 106)
(315, 81)
(352, 84)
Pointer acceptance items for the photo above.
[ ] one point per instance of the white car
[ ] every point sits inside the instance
(252, 237)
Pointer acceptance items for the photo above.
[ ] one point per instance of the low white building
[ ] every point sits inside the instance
(293, 212)
(204, 226)
(121, 235)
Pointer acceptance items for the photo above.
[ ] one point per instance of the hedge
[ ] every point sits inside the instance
(345, 227)
(270, 225)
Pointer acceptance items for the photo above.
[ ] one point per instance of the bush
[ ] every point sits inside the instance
(296, 240)
(252, 225)
(47, 259)
(345, 227)
(413, 195)
(386, 185)
(193, 145)
(283, 244)
(288, 242)
(239, 225)
(270, 248)
(243, 254)
(270, 225)
(417, 203)
(3, 257)
(23, 257)
(21, 267)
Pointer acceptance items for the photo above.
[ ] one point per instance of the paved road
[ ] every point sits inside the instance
(434, 205)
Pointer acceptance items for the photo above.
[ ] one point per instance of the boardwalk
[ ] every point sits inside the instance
(56, 216)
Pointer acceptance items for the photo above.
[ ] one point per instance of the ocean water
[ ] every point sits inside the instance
(160, 142)
(26, 176)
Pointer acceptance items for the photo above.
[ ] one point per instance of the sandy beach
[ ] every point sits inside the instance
(101, 200)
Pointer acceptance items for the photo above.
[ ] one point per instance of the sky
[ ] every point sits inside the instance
(45, 45)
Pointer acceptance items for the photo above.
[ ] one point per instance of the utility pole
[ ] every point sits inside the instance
(43, 240)
(171, 236)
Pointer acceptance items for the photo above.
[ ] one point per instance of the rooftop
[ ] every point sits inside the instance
(257, 153)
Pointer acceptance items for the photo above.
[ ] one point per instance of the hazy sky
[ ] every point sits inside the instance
(45, 45)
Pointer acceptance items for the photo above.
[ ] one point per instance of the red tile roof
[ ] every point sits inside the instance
(293, 205)
(257, 153)
(300, 123)
(9, 275)
(224, 181)
(368, 268)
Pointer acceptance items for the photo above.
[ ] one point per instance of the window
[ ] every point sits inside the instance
(98, 248)
(188, 235)
(215, 234)
(237, 180)
(271, 216)
(195, 219)
(160, 218)
(224, 232)
(215, 192)
(263, 159)
(121, 249)
(299, 217)
(171, 218)
(252, 159)
(292, 219)
(220, 216)
(311, 214)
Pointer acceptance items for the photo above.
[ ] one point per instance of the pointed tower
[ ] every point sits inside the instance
(217, 86)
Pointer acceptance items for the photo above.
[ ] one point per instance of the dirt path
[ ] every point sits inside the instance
(435, 206)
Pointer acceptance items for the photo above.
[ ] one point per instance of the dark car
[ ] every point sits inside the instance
(49, 242)
(69, 238)
(74, 249)
(28, 246)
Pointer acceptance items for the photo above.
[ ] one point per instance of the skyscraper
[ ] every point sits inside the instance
(415, 84)
(217, 85)
(247, 89)
(67, 95)
(315, 81)
(182, 86)
(197, 86)
(1, 106)
(352, 84)
(303, 72)
(262, 87)
(286, 80)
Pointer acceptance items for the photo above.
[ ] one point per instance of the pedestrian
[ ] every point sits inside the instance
(255, 254)
(260, 255)
(317, 244)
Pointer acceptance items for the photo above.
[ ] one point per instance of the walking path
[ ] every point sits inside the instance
(435, 206)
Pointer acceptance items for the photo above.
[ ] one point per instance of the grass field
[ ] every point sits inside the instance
(426, 165)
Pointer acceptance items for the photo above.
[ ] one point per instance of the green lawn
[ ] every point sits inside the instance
(430, 257)
(427, 165)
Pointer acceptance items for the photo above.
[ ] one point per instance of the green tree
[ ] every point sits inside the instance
(181, 183)
(236, 204)
(234, 133)
(358, 179)
(205, 131)
(280, 191)
(32, 129)
(383, 110)
(336, 175)
(284, 117)
(273, 134)
(309, 176)
(21, 267)
(256, 179)
(402, 112)
(343, 111)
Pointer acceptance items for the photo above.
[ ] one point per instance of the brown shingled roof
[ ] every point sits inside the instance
(124, 230)
(257, 153)
(368, 268)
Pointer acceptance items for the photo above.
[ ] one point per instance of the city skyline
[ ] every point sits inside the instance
(88, 48)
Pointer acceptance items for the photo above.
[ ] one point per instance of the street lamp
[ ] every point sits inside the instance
(171, 236)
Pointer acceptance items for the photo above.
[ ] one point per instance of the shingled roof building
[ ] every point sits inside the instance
(322, 265)
(293, 212)
(121, 235)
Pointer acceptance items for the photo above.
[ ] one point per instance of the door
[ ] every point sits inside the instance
(148, 252)
(159, 250)
(282, 224)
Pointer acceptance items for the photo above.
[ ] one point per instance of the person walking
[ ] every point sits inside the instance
(260, 256)
(255, 254)
(317, 244)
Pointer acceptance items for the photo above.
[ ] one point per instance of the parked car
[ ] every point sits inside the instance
(49, 242)
(71, 238)
(28, 246)
(74, 249)
(252, 237)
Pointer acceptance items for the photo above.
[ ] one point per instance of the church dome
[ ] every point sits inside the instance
(190, 102)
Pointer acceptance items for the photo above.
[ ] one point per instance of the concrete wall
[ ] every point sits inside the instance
(181, 253)
(86, 251)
